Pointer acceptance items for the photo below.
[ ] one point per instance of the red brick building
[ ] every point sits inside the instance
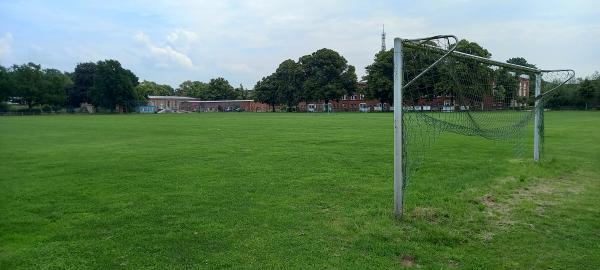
(224, 106)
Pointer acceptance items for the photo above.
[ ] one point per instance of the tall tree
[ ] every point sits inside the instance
(379, 78)
(54, 86)
(328, 76)
(586, 92)
(6, 86)
(266, 91)
(28, 80)
(241, 93)
(220, 89)
(289, 78)
(193, 89)
(473, 48)
(83, 81)
(114, 86)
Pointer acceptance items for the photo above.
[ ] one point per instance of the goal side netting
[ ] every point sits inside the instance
(447, 86)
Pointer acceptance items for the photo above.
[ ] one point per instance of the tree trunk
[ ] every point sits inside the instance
(273, 106)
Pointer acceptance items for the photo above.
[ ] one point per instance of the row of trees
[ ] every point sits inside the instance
(215, 89)
(34, 85)
(323, 75)
(583, 93)
(379, 78)
(104, 84)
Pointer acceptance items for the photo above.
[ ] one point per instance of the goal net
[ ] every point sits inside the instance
(451, 86)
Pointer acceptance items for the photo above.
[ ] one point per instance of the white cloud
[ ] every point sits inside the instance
(236, 67)
(5, 44)
(164, 55)
(182, 37)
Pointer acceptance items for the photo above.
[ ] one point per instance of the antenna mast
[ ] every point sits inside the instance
(383, 39)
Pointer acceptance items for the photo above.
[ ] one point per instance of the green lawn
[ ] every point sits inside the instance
(298, 191)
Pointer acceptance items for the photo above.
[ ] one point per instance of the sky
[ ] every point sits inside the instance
(172, 41)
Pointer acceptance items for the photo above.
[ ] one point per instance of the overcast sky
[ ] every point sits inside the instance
(242, 41)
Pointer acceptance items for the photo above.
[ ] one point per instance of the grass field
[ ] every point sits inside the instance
(298, 191)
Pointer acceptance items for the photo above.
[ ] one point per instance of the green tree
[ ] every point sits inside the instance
(193, 89)
(520, 61)
(28, 81)
(83, 81)
(379, 78)
(220, 89)
(114, 86)
(149, 88)
(267, 91)
(53, 90)
(327, 76)
(473, 48)
(6, 85)
(586, 92)
(289, 79)
(241, 93)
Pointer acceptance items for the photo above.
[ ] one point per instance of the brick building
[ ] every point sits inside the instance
(226, 106)
(169, 103)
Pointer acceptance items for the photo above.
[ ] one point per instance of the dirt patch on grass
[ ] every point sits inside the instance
(425, 213)
(543, 193)
(408, 261)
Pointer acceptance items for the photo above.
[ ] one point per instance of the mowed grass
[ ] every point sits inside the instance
(289, 191)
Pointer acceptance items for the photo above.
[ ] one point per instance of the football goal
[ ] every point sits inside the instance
(446, 85)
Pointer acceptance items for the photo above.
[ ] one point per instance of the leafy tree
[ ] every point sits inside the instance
(53, 87)
(586, 92)
(267, 91)
(220, 89)
(327, 76)
(6, 85)
(241, 93)
(520, 61)
(380, 82)
(114, 86)
(148, 88)
(28, 80)
(473, 48)
(289, 79)
(193, 89)
(83, 81)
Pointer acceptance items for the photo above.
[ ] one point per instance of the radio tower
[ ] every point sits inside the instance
(383, 39)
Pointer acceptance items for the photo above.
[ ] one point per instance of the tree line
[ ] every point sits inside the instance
(323, 75)
(104, 84)
(582, 93)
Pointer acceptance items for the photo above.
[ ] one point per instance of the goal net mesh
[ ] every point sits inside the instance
(446, 89)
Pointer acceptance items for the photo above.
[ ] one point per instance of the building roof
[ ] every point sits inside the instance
(171, 97)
